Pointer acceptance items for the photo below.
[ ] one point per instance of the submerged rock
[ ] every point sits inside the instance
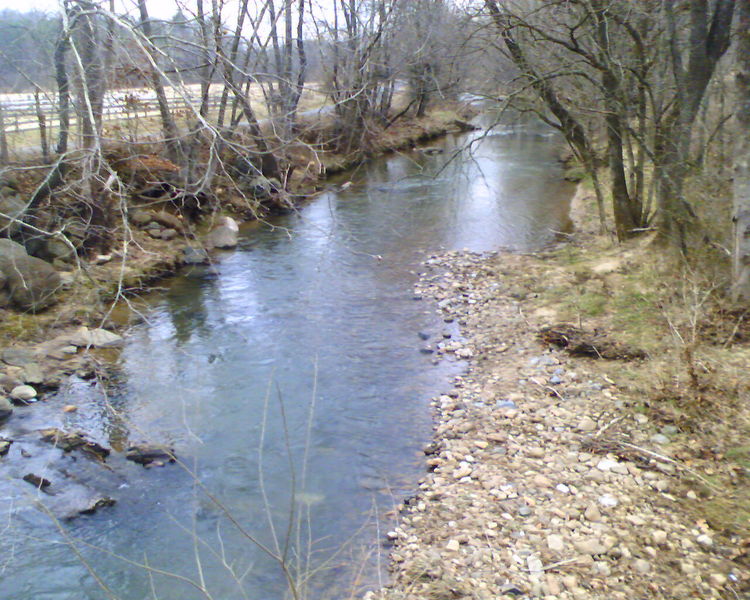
(5, 446)
(145, 454)
(97, 338)
(69, 441)
(37, 481)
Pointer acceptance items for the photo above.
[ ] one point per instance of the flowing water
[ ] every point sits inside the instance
(291, 385)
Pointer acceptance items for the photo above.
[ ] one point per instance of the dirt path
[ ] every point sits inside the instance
(545, 481)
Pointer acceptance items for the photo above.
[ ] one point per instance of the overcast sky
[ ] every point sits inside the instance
(160, 9)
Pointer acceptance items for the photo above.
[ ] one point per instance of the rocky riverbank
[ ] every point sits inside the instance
(551, 474)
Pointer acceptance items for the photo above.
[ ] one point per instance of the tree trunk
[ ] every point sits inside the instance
(741, 253)
(171, 136)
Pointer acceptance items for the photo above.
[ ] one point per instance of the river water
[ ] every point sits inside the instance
(291, 385)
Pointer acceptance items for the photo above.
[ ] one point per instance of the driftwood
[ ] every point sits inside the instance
(578, 342)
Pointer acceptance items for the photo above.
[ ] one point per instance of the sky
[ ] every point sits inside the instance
(160, 9)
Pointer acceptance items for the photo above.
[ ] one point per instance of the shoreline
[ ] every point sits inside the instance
(547, 477)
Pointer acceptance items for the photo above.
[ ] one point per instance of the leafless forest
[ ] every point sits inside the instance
(103, 103)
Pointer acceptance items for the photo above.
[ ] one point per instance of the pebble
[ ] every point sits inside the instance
(659, 439)
(642, 566)
(524, 511)
(659, 537)
(705, 540)
(590, 546)
(586, 424)
(69, 408)
(608, 500)
(592, 513)
(555, 543)
(452, 545)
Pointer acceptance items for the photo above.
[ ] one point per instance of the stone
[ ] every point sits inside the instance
(168, 220)
(606, 464)
(168, 234)
(98, 338)
(659, 438)
(5, 446)
(718, 580)
(555, 543)
(452, 545)
(194, 256)
(32, 374)
(69, 441)
(608, 500)
(139, 218)
(642, 566)
(69, 408)
(6, 409)
(13, 208)
(590, 546)
(524, 511)
(659, 537)
(145, 454)
(587, 424)
(464, 470)
(8, 382)
(225, 235)
(23, 393)
(37, 481)
(30, 283)
(17, 357)
(705, 540)
(57, 248)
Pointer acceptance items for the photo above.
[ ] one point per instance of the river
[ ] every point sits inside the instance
(292, 385)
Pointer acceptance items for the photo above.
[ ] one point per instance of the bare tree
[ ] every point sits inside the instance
(741, 253)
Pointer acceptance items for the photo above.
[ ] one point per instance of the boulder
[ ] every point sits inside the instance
(224, 235)
(13, 207)
(29, 282)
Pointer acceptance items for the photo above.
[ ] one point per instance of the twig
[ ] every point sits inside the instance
(668, 460)
(607, 426)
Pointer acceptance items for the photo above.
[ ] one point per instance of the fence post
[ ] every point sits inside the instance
(4, 158)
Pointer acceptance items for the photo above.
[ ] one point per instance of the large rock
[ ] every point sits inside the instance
(225, 234)
(13, 208)
(29, 282)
